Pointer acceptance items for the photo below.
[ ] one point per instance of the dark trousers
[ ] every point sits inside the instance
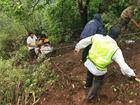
(85, 53)
(89, 77)
(124, 23)
(96, 84)
(32, 54)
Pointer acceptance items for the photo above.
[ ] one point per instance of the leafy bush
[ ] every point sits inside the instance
(23, 82)
(24, 85)
(63, 22)
(6, 46)
(55, 39)
(21, 55)
(109, 20)
(9, 44)
(117, 6)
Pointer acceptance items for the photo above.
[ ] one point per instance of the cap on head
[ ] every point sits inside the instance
(114, 32)
(97, 16)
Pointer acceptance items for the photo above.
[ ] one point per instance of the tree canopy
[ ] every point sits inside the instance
(60, 19)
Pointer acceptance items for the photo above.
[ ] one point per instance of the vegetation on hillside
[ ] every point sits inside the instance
(61, 20)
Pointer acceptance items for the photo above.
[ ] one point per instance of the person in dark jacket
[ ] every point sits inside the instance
(94, 26)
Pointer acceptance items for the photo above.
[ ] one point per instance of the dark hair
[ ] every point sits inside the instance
(29, 33)
(114, 32)
(42, 36)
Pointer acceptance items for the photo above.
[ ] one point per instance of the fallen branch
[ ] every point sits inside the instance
(36, 101)
(18, 101)
(136, 33)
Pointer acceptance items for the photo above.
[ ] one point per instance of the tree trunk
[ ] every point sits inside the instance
(83, 10)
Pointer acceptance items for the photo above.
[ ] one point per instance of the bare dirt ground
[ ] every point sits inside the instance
(116, 90)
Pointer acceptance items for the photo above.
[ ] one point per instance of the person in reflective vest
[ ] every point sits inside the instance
(104, 51)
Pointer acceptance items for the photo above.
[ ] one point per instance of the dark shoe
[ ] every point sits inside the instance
(91, 97)
(93, 90)
(92, 93)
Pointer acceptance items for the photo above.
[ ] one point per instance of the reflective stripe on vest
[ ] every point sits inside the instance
(102, 50)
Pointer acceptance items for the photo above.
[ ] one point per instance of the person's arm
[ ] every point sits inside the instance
(135, 23)
(83, 43)
(29, 43)
(125, 69)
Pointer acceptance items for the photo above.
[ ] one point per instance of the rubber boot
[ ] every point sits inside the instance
(96, 84)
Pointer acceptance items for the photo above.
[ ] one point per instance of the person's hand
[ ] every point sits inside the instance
(76, 51)
(132, 77)
(131, 74)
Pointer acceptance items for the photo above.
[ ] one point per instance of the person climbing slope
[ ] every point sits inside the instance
(104, 51)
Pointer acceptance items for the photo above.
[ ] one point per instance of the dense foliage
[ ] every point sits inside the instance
(25, 84)
(60, 19)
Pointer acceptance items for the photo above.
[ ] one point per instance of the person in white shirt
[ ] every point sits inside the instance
(104, 50)
(31, 44)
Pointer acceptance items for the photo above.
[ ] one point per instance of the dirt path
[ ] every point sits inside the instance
(117, 89)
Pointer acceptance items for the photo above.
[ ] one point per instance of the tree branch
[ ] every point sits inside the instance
(87, 2)
(80, 4)
(35, 6)
(83, 10)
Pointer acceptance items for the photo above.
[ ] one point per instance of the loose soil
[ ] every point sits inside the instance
(116, 90)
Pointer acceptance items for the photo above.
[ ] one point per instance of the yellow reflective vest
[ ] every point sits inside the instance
(102, 50)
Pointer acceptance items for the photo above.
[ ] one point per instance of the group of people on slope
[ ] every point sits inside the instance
(38, 44)
(100, 50)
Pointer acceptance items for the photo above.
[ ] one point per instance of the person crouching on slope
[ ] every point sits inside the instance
(31, 44)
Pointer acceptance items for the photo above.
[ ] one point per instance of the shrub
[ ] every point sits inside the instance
(23, 85)
(10, 44)
(21, 55)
